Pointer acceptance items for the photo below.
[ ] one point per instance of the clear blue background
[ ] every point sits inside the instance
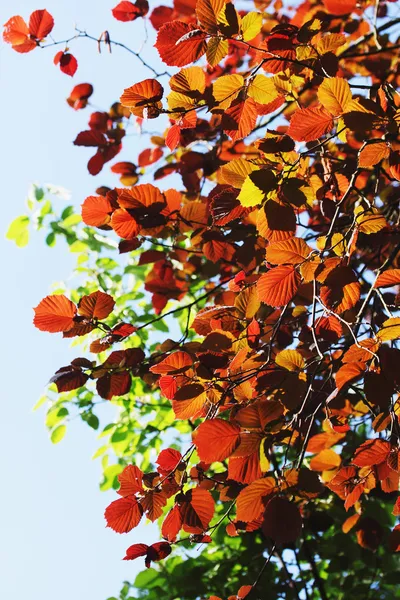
(53, 541)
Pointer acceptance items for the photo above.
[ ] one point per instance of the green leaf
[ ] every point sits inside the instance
(18, 231)
(40, 402)
(58, 433)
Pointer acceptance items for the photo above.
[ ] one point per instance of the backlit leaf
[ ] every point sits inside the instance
(278, 286)
(54, 314)
(216, 440)
(123, 515)
(308, 124)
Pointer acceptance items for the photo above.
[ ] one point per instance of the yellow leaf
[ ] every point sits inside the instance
(390, 330)
(369, 221)
(217, 49)
(188, 80)
(250, 194)
(179, 102)
(256, 187)
(264, 462)
(262, 89)
(251, 25)
(335, 95)
(291, 360)
(226, 89)
(329, 42)
(235, 172)
(338, 243)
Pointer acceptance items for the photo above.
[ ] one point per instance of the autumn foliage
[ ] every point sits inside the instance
(266, 215)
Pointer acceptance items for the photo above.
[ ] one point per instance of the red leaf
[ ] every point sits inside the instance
(69, 378)
(149, 156)
(97, 305)
(282, 521)
(90, 138)
(41, 24)
(173, 136)
(168, 386)
(96, 163)
(123, 515)
(68, 63)
(127, 11)
(157, 552)
(180, 43)
(131, 481)
(216, 440)
(168, 459)
(113, 384)
(135, 551)
(79, 95)
(172, 524)
(197, 510)
(160, 16)
(55, 313)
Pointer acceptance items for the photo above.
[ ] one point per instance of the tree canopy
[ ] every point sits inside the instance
(237, 294)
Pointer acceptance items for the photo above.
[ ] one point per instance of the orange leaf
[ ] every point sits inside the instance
(278, 286)
(177, 362)
(340, 7)
(371, 452)
(97, 305)
(325, 460)
(144, 94)
(372, 154)
(189, 408)
(249, 503)
(216, 440)
(240, 119)
(16, 31)
(124, 224)
(294, 251)
(55, 313)
(124, 514)
(308, 124)
(291, 360)
(388, 278)
(349, 372)
(96, 211)
(341, 289)
(207, 12)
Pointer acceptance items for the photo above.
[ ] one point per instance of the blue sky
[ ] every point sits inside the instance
(53, 542)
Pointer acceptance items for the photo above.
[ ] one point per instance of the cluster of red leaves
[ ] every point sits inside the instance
(25, 38)
(296, 240)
